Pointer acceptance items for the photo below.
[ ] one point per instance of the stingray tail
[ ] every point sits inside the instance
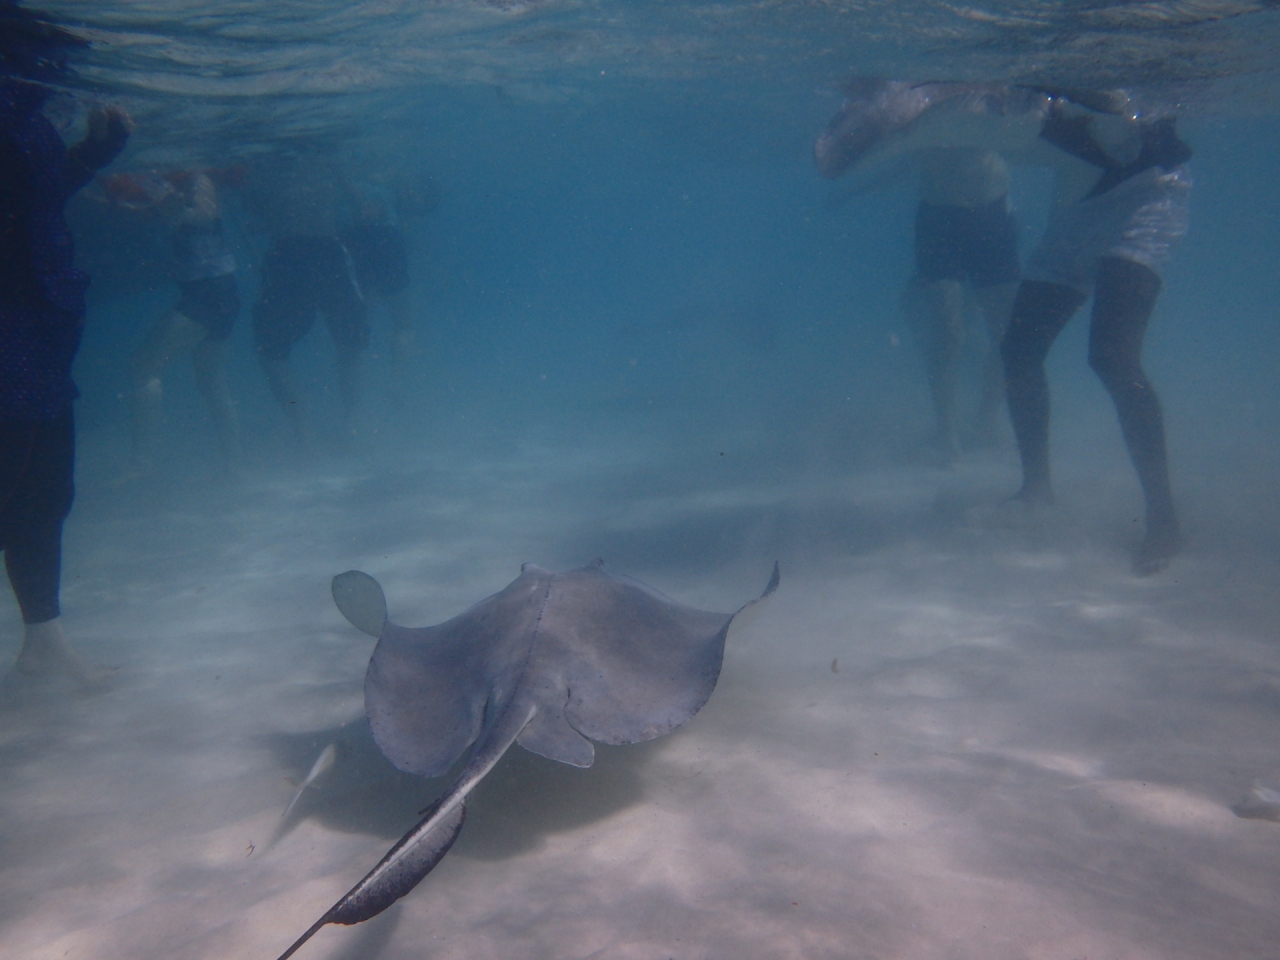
(774, 580)
(324, 763)
(397, 873)
(747, 611)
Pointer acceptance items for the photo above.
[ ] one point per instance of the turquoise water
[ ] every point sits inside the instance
(648, 331)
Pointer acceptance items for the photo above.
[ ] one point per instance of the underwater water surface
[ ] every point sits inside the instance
(648, 331)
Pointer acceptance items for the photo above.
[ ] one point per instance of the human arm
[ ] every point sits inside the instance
(109, 129)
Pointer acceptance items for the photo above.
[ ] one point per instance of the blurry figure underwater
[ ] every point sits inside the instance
(966, 244)
(306, 272)
(380, 255)
(42, 311)
(202, 319)
(1121, 207)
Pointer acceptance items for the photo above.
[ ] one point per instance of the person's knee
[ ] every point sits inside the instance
(1019, 350)
(272, 355)
(1040, 311)
(996, 303)
(1115, 366)
(1127, 280)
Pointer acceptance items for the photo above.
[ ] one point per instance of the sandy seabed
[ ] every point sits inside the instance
(944, 737)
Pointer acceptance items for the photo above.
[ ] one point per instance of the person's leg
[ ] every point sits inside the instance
(989, 256)
(346, 316)
(1125, 297)
(285, 311)
(347, 367)
(1040, 311)
(285, 390)
(34, 509)
(996, 304)
(215, 303)
(402, 338)
(210, 360)
(934, 303)
(935, 310)
(173, 335)
(33, 560)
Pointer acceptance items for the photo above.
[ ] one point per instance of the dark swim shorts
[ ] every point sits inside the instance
(213, 302)
(303, 276)
(977, 244)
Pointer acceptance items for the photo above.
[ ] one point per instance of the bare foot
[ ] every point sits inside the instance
(1033, 497)
(1162, 542)
(47, 653)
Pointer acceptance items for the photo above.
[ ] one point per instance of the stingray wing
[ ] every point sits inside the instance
(635, 664)
(430, 690)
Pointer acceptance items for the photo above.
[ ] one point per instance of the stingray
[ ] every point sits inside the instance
(552, 662)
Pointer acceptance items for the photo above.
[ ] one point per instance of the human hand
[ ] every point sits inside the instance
(109, 122)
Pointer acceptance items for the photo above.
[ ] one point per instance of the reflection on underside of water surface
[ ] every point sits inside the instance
(265, 73)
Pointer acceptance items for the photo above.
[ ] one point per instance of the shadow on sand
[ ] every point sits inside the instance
(522, 801)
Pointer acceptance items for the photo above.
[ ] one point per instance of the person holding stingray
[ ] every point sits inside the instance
(42, 309)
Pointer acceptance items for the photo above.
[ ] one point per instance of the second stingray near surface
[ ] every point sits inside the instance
(552, 662)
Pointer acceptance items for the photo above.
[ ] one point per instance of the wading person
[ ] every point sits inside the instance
(200, 322)
(1109, 242)
(42, 310)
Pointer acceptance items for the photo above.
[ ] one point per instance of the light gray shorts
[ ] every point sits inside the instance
(1140, 219)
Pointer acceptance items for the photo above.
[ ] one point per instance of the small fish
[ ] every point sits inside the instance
(835, 665)
(324, 763)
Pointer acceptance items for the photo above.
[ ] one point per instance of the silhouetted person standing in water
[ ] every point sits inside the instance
(965, 236)
(200, 322)
(42, 309)
(1110, 242)
(306, 272)
(380, 255)
(1121, 207)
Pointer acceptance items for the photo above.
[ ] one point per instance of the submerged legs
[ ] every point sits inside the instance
(935, 309)
(172, 336)
(1040, 311)
(1125, 296)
